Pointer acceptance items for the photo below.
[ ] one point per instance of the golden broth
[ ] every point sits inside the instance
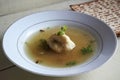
(50, 58)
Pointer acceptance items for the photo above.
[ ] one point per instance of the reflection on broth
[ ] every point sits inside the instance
(85, 46)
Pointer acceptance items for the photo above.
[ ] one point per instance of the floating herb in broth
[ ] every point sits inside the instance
(71, 63)
(87, 50)
(38, 50)
(62, 30)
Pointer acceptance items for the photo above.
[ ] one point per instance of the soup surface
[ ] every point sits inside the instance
(83, 52)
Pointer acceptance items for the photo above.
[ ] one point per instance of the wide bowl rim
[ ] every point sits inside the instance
(72, 12)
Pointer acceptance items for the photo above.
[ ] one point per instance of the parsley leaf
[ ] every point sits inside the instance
(62, 30)
(71, 63)
(86, 50)
(43, 44)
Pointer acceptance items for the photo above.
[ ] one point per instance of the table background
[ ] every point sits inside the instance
(12, 10)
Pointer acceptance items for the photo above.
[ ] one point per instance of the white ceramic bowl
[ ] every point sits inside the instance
(18, 32)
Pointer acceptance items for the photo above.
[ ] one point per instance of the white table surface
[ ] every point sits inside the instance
(8, 71)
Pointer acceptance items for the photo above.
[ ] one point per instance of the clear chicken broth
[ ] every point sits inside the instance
(52, 59)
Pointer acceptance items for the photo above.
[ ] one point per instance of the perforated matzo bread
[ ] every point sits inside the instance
(105, 10)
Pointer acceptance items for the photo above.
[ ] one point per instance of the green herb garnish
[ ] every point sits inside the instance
(92, 41)
(26, 43)
(60, 33)
(71, 63)
(48, 27)
(43, 44)
(86, 50)
(62, 30)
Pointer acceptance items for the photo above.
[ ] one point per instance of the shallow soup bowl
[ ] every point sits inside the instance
(16, 35)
